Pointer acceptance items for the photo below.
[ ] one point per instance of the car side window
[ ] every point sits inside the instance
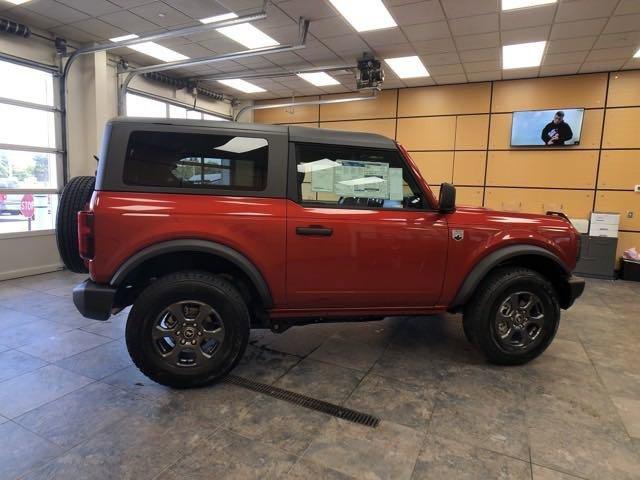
(189, 160)
(352, 177)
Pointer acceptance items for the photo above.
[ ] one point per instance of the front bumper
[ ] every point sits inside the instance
(576, 287)
(94, 300)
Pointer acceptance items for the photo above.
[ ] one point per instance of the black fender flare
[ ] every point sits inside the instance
(484, 266)
(197, 245)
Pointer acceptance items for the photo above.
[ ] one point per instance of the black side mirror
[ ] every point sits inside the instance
(447, 198)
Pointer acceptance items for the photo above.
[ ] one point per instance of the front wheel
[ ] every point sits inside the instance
(188, 329)
(513, 316)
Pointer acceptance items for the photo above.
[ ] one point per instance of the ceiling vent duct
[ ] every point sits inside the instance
(7, 26)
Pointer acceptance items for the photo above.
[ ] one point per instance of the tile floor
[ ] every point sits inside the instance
(73, 407)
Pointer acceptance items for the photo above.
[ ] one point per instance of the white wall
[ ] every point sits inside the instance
(91, 100)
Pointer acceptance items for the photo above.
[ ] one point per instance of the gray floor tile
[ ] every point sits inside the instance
(98, 362)
(21, 450)
(441, 458)
(63, 345)
(30, 332)
(12, 318)
(76, 417)
(26, 392)
(394, 401)
(227, 455)
(405, 367)
(629, 411)
(615, 356)
(14, 363)
(569, 349)
(140, 447)
(3, 419)
(542, 473)
(299, 341)
(620, 383)
(286, 426)
(321, 380)
(377, 333)
(305, 469)
(112, 328)
(359, 356)
(386, 452)
(264, 366)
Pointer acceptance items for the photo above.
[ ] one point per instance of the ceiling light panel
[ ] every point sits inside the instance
(516, 4)
(365, 15)
(637, 54)
(242, 85)
(156, 50)
(407, 67)
(124, 37)
(18, 2)
(319, 79)
(219, 18)
(522, 55)
(248, 35)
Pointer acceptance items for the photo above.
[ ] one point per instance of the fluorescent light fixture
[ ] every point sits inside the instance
(522, 55)
(365, 15)
(637, 54)
(407, 67)
(248, 35)
(124, 38)
(156, 50)
(18, 2)
(242, 85)
(219, 18)
(319, 79)
(516, 4)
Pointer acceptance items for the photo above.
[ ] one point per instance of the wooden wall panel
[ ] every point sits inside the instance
(304, 113)
(621, 128)
(384, 106)
(444, 100)
(500, 137)
(468, 168)
(624, 89)
(472, 132)
(471, 196)
(435, 167)
(627, 204)
(309, 125)
(427, 133)
(386, 127)
(619, 169)
(577, 91)
(550, 169)
(575, 203)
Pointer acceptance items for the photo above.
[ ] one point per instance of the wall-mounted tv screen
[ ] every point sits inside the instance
(553, 128)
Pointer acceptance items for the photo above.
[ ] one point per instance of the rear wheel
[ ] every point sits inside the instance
(513, 317)
(188, 329)
(75, 197)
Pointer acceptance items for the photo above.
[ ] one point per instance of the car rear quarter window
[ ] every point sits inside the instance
(193, 160)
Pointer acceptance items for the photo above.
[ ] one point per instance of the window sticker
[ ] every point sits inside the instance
(396, 190)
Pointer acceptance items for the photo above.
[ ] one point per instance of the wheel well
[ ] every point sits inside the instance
(546, 267)
(153, 268)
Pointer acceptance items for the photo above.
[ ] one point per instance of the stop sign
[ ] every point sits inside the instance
(26, 205)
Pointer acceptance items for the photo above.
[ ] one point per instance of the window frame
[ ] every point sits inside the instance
(169, 103)
(56, 151)
(294, 193)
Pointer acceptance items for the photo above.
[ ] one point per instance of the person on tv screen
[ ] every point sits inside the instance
(557, 131)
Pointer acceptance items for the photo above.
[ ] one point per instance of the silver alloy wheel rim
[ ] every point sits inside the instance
(188, 333)
(519, 322)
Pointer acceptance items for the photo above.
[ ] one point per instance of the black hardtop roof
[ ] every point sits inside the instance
(296, 133)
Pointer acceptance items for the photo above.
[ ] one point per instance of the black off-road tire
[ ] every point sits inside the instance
(182, 286)
(480, 313)
(75, 197)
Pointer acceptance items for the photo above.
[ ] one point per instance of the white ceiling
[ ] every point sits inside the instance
(457, 40)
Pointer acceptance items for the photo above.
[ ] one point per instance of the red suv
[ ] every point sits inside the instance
(211, 228)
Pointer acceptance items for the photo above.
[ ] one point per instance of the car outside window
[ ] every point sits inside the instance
(191, 160)
(351, 177)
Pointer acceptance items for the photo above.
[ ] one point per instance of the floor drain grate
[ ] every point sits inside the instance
(307, 402)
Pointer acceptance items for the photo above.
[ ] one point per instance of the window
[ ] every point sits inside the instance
(30, 164)
(192, 160)
(353, 177)
(141, 106)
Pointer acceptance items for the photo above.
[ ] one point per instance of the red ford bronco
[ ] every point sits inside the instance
(210, 229)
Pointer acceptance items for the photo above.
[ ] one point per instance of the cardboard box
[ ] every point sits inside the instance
(605, 218)
(603, 230)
